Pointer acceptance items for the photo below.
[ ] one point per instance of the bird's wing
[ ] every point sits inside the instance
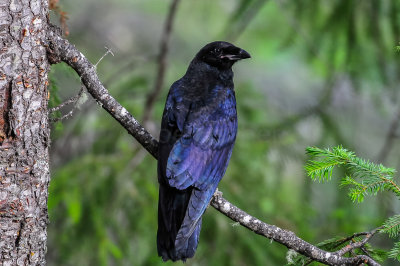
(199, 200)
(199, 157)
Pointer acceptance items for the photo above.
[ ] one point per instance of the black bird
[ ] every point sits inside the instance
(198, 131)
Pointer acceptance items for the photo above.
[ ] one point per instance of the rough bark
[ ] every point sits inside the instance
(24, 134)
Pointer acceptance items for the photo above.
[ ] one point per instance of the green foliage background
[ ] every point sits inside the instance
(321, 74)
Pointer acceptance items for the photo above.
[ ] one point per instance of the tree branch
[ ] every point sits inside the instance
(162, 61)
(286, 238)
(357, 244)
(61, 49)
(73, 100)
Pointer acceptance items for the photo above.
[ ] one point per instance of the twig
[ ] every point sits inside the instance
(162, 62)
(366, 251)
(358, 244)
(104, 55)
(73, 100)
(344, 240)
(62, 50)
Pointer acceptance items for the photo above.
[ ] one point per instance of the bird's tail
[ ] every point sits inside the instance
(172, 206)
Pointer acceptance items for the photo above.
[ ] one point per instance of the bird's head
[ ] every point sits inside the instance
(221, 54)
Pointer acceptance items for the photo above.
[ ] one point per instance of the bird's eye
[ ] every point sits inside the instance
(217, 50)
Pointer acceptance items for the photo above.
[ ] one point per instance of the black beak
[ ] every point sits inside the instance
(238, 54)
(243, 54)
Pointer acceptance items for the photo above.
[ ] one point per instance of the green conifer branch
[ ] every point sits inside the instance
(363, 178)
(392, 226)
(373, 177)
(394, 253)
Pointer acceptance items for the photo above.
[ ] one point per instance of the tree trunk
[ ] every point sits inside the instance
(24, 132)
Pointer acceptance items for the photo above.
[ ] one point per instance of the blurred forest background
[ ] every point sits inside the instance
(322, 73)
